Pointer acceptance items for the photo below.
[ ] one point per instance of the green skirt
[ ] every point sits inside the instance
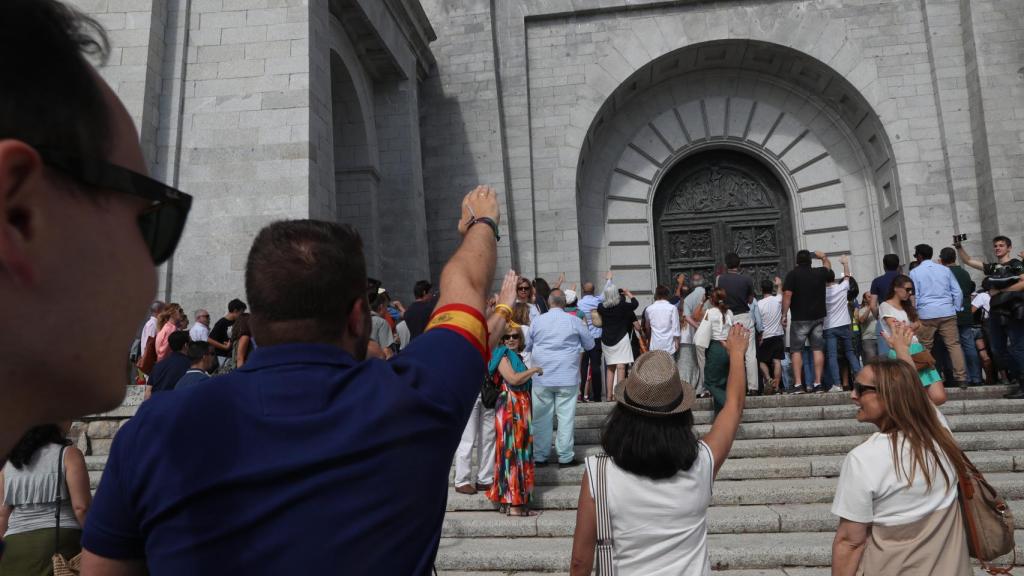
(31, 553)
(929, 376)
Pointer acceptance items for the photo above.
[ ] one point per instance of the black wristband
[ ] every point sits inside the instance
(489, 221)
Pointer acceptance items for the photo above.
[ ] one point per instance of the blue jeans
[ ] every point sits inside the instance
(1011, 357)
(834, 338)
(559, 402)
(968, 335)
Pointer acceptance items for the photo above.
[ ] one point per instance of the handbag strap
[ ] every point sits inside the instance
(605, 552)
(60, 483)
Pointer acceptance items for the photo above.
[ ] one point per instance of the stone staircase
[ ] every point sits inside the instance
(770, 511)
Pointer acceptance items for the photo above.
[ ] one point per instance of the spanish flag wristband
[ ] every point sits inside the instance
(464, 320)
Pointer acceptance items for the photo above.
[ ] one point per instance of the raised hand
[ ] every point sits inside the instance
(507, 296)
(899, 337)
(738, 339)
(481, 202)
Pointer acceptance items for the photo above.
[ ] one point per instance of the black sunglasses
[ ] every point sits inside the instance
(510, 337)
(860, 389)
(520, 288)
(161, 224)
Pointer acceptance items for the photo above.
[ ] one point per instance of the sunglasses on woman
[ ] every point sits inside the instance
(510, 337)
(161, 224)
(861, 389)
(523, 288)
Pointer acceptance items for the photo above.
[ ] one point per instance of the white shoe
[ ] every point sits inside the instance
(836, 388)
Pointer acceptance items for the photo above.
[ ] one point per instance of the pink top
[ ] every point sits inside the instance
(163, 347)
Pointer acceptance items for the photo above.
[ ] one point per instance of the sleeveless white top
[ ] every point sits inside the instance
(659, 527)
(32, 492)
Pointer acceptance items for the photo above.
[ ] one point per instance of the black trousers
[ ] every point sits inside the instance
(592, 361)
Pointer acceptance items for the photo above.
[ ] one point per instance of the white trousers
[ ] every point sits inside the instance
(480, 431)
(750, 360)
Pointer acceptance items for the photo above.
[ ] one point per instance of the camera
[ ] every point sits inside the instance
(958, 239)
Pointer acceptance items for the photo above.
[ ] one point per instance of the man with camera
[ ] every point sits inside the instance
(1004, 280)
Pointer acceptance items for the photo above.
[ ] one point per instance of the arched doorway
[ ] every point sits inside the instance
(721, 201)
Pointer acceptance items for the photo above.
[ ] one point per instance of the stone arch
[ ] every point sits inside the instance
(356, 176)
(798, 117)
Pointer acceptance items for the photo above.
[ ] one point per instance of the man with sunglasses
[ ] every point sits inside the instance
(82, 227)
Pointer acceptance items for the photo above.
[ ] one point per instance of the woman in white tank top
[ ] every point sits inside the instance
(29, 485)
(658, 475)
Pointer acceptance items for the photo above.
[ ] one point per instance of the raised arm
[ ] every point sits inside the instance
(516, 378)
(502, 314)
(824, 259)
(470, 271)
(966, 259)
(723, 431)
(845, 261)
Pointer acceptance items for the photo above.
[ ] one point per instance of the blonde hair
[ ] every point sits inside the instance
(911, 419)
(519, 331)
(170, 311)
(521, 313)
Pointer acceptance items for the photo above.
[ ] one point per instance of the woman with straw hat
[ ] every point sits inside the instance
(657, 475)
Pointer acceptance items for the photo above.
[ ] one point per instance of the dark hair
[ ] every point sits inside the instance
(305, 270)
(1009, 243)
(908, 305)
(912, 265)
(661, 292)
(197, 350)
(237, 305)
(421, 289)
(854, 290)
(890, 262)
(923, 250)
(767, 287)
(718, 297)
(541, 291)
(378, 301)
(803, 258)
(732, 260)
(51, 98)
(655, 447)
(372, 284)
(32, 441)
(830, 275)
(177, 340)
(947, 255)
(241, 326)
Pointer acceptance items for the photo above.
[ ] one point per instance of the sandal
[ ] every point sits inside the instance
(521, 511)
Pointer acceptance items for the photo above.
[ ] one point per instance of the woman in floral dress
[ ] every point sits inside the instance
(513, 466)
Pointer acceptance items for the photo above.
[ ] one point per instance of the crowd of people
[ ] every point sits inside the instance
(327, 435)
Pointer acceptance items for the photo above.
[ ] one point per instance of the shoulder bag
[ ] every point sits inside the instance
(987, 520)
(605, 551)
(62, 566)
(490, 389)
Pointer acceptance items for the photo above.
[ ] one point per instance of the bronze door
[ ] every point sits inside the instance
(718, 202)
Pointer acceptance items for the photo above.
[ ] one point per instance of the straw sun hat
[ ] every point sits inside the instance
(654, 388)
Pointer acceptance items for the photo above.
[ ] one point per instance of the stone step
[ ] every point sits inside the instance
(791, 467)
(839, 427)
(726, 493)
(837, 412)
(721, 520)
(823, 399)
(728, 551)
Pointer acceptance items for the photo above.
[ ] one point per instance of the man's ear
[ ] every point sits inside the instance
(357, 316)
(21, 175)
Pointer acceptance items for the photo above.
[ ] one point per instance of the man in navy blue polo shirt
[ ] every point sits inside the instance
(309, 459)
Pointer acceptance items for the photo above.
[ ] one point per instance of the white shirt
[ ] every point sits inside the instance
(659, 527)
(770, 308)
(148, 331)
(199, 332)
(870, 493)
(688, 305)
(719, 326)
(982, 300)
(663, 318)
(886, 310)
(838, 312)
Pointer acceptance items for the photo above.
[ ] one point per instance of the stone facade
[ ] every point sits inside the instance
(887, 123)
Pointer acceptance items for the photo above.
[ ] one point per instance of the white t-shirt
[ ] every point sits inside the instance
(886, 310)
(770, 308)
(663, 318)
(719, 326)
(982, 300)
(199, 332)
(838, 312)
(659, 527)
(870, 493)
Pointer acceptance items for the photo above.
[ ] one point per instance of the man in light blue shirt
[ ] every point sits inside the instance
(591, 363)
(939, 298)
(556, 341)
